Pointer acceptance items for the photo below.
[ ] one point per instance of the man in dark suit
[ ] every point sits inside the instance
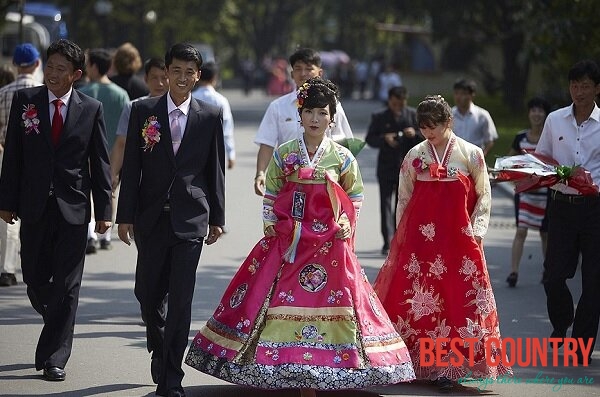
(172, 191)
(55, 154)
(394, 132)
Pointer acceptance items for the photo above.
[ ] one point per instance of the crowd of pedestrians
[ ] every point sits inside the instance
(94, 144)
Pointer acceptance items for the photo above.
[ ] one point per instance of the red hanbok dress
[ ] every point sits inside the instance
(300, 312)
(434, 282)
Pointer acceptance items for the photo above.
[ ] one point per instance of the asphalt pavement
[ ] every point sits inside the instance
(109, 352)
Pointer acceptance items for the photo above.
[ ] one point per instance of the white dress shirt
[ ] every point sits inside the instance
(281, 122)
(185, 110)
(475, 126)
(208, 94)
(572, 144)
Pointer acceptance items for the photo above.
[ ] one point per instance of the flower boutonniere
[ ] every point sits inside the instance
(419, 163)
(30, 119)
(291, 162)
(151, 133)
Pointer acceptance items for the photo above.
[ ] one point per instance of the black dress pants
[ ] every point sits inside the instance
(166, 265)
(388, 198)
(573, 231)
(52, 257)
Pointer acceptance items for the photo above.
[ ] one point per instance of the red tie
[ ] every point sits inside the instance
(57, 121)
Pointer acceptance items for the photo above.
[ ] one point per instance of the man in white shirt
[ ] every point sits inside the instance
(571, 136)
(471, 122)
(206, 92)
(281, 121)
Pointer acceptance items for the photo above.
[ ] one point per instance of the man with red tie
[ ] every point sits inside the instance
(55, 156)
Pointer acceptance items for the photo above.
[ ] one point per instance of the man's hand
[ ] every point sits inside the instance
(102, 226)
(409, 132)
(125, 231)
(390, 139)
(115, 181)
(230, 164)
(8, 216)
(270, 231)
(214, 232)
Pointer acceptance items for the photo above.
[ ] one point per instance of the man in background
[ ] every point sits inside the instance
(209, 74)
(471, 122)
(394, 132)
(113, 99)
(26, 59)
(281, 121)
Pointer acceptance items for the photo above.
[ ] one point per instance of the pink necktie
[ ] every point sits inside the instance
(176, 134)
(57, 121)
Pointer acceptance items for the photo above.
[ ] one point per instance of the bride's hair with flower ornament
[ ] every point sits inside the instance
(433, 111)
(317, 93)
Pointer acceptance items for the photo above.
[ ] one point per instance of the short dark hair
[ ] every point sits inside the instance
(432, 111)
(101, 58)
(184, 52)
(399, 92)
(209, 71)
(585, 68)
(318, 93)
(306, 55)
(539, 102)
(466, 84)
(71, 51)
(154, 63)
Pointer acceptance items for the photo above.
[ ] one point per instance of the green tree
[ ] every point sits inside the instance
(564, 31)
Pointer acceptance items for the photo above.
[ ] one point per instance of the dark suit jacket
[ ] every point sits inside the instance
(390, 159)
(193, 181)
(79, 164)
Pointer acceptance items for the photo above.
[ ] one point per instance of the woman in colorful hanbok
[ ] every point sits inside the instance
(300, 312)
(434, 282)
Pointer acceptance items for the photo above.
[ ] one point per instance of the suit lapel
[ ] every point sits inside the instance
(163, 116)
(193, 120)
(40, 100)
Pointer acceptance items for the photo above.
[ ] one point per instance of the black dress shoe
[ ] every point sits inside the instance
(156, 369)
(7, 279)
(444, 384)
(176, 392)
(91, 246)
(54, 374)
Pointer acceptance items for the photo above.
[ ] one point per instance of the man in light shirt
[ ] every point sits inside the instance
(471, 122)
(281, 121)
(571, 136)
(206, 92)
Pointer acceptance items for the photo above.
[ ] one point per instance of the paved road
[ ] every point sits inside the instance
(109, 356)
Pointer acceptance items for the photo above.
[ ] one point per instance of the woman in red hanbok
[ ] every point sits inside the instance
(300, 312)
(434, 282)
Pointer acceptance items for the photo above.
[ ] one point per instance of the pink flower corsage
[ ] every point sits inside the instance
(30, 119)
(419, 163)
(151, 133)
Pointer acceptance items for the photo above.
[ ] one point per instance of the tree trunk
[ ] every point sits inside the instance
(515, 71)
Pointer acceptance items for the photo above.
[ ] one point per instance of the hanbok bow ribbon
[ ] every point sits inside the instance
(437, 171)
